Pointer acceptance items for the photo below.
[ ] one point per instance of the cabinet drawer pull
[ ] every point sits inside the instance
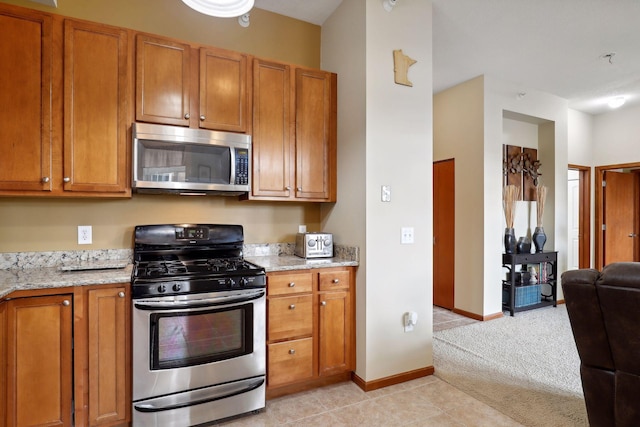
(187, 116)
(202, 118)
(299, 188)
(66, 302)
(66, 179)
(292, 306)
(288, 188)
(292, 284)
(121, 294)
(323, 303)
(45, 179)
(335, 281)
(292, 351)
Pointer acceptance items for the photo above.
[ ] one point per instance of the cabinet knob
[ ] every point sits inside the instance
(66, 302)
(45, 179)
(121, 294)
(299, 188)
(66, 179)
(292, 351)
(335, 281)
(187, 115)
(202, 117)
(288, 188)
(323, 303)
(292, 284)
(292, 306)
(632, 235)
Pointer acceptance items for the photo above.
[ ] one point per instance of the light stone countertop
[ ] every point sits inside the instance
(24, 271)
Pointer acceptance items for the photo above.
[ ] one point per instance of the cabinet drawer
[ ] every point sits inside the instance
(333, 280)
(289, 361)
(290, 283)
(290, 317)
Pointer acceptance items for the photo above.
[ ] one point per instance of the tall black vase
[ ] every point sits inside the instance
(539, 238)
(509, 241)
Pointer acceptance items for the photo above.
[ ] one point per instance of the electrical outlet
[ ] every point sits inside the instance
(84, 235)
(406, 237)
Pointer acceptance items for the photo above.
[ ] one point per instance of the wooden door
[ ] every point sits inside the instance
(39, 380)
(224, 104)
(334, 332)
(620, 202)
(444, 233)
(163, 81)
(273, 155)
(573, 220)
(96, 96)
(108, 323)
(315, 148)
(26, 90)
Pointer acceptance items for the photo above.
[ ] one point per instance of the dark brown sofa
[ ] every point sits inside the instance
(604, 311)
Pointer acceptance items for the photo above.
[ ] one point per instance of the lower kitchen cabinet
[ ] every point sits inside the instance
(39, 386)
(102, 355)
(66, 354)
(310, 328)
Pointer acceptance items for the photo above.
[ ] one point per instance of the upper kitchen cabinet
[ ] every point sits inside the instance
(96, 99)
(26, 54)
(177, 86)
(294, 133)
(64, 106)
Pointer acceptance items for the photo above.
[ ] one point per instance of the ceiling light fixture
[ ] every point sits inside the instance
(220, 8)
(616, 102)
(389, 4)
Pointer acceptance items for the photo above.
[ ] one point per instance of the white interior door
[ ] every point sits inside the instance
(573, 220)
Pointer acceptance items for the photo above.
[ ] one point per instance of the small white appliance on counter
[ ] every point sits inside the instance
(314, 245)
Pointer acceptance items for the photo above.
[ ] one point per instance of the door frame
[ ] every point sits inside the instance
(599, 207)
(584, 215)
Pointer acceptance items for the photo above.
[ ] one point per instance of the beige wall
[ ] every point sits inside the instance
(45, 224)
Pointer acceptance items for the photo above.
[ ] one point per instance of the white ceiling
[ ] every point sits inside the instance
(554, 46)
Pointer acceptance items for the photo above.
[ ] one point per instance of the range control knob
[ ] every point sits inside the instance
(162, 289)
(231, 283)
(243, 281)
(176, 287)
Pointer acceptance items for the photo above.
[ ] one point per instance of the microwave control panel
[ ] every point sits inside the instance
(242, 166)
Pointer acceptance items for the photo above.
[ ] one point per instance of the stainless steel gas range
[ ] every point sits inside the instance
(199, 316)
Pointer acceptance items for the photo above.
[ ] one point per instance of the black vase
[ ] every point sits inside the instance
(523, 246)
(539, 238)
(509, 241)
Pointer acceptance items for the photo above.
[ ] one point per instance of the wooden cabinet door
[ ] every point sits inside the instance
(26, 51)
(334, 332)
(223, 90)
(96, 94)
(315, 135)
(108, 321)
(163, 81)
(39, 367)
(273, 154)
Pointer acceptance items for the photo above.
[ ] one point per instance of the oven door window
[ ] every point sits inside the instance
(196, 337)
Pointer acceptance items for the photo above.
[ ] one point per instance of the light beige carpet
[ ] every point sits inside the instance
(526, 366)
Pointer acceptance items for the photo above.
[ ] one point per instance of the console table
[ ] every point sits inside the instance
(545, 288)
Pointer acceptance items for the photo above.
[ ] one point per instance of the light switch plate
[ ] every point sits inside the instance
(386, 193)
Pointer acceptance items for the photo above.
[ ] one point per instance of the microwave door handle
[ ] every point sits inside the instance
(199, 303)
(232, 169)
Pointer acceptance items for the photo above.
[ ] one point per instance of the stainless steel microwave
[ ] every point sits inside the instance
(173, 159)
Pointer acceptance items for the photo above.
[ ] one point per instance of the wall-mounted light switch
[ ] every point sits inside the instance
(386, 193)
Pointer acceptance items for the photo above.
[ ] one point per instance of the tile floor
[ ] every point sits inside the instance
(426, 401)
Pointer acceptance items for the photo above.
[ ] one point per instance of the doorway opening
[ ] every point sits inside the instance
(617, 199)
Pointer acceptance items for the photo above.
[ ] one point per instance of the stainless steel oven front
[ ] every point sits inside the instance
(198, 357)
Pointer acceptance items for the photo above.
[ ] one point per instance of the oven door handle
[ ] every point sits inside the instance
(197, 397)
(205, 302)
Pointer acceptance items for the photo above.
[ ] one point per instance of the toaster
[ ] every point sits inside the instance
(314, 245)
